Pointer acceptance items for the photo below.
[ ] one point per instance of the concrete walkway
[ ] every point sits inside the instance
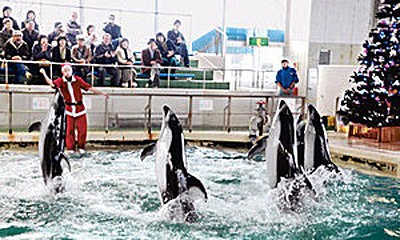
(364, 155)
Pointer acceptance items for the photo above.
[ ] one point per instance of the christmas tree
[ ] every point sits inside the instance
(373, 98)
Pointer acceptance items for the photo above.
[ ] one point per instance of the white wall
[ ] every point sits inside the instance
(333, 80)
(340, 21)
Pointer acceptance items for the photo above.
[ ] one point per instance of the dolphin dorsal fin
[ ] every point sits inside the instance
(35, 126)
(62, 156)
(148, 151)
(194, 182)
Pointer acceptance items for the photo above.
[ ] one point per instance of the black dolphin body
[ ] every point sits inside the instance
(52, 142)
(173, 179)
(316, 152)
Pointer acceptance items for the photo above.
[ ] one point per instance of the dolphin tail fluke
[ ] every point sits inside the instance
(35, 126)
(193, 182)
(148, 151)
(258, 147)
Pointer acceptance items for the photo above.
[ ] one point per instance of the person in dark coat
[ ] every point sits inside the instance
(41, 53)
(167, 50)
(30, 16)
(114, 30)
(7, 11)
(73, 29)
(30, 34)
(176, 37)
(16, 49)
(286, 78)
(60, 54)
(58, 31)
(105, 54)
(151, 58)
(5, 34)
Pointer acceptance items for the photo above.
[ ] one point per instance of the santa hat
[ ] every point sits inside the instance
(66, 65)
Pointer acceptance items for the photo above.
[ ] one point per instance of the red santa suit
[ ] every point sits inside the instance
(74, 108)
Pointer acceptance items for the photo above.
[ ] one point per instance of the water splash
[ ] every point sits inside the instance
(114, 195)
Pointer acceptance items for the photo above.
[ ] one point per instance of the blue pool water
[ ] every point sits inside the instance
(113, 195)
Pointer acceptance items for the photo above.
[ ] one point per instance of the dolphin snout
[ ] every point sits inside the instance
(166, 109)
(313, 113)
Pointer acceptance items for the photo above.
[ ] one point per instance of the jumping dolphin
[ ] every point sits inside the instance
(172, 177)
(311, 142)
(279, 153)
(316, 148)
(52, 142)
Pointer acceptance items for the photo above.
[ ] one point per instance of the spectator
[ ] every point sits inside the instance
(151, 58)
(286, 78)
(42, 53)
(71, 88)
(5, 34)
(16, 49)
(7, 11)
(91, 38)
(30, 16)
(42, 50)
(105, 54)
(167, 50)
(60, 54)
(126, 60)
(176, 37)
(82, 54)
(58, 31)
(114, 30)
(30, 34)
(73, 29)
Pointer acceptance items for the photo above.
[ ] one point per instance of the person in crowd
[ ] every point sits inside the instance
(82, 54)
(151, 58)
(16, 49)
(7, 12)
(286, 78)
(41, 53)
(167, 50)
(30, 34)
(126, 60)
(71, 88)
(91, 38)
(73, 29)
(113, 29)
(58, 31)
(30, 16)
(105, 54)
(60, 54)
(176, 37)
(5, 34)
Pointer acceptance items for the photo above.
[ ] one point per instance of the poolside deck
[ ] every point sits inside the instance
(364, 155)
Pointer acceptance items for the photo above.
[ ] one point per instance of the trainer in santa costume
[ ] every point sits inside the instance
(71, 87)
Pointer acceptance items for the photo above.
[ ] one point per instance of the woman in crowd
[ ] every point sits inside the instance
(126, 60)
(30, 16)
(60, 54)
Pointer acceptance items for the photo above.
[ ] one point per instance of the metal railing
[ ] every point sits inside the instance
(238, 78)
(150, 94)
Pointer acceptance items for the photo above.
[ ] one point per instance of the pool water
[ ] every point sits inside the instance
(113, 195)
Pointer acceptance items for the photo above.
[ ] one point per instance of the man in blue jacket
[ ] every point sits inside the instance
(286, 78)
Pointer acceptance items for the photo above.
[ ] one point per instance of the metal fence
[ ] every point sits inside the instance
(231, 109)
